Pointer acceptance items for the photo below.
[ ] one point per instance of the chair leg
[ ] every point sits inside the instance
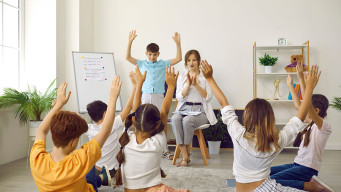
(202, 145)
(176, 154)
(206, 150)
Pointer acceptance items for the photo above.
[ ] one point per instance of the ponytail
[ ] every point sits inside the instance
(124, 140)
(306, 131)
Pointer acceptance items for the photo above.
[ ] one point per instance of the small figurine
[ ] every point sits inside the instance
(276, 84)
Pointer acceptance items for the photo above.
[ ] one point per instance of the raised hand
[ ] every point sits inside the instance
(171, 77)
(132, 77)
(176, 38)
(132, 35)
(62, 97)
(115, 87)
(300, 70)
(313, 77)
(206, 69)
(139, 77)
(289, 81)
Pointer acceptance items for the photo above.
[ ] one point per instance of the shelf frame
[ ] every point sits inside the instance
(278, 47)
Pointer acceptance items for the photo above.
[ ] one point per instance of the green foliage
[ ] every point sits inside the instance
(267, 60)
(216, 132)
(30, 104)
(336, 103)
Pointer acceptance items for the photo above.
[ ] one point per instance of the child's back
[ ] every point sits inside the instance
(67, 174)
(111, 146)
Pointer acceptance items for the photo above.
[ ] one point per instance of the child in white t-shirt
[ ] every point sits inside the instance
(257, 143)
(97, 110)
(311, 142)
(139, 157)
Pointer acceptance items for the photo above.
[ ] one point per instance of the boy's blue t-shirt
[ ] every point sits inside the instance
(155, 80)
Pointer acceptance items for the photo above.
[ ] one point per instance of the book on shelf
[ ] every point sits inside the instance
(298, 91)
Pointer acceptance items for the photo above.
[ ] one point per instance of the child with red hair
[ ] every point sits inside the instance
(67, 169)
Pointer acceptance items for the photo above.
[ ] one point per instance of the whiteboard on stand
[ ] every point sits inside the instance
(93, 75)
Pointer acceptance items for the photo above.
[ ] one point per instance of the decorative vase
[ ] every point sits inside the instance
(33, 128)
(214, 147)
(268, 69)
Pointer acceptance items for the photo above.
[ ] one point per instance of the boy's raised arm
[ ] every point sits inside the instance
(208, 74)
(125, 112)
(131, 59)
(178, 57)
(115, 88)
(62, 99)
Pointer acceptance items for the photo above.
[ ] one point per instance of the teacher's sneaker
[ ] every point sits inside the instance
(320, 184)
(106, 176)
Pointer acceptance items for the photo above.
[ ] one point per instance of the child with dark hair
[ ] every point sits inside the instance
(311, 141)
(153, 88)
(139, 157)
(67, 169)
(97, 111)
(257, 143)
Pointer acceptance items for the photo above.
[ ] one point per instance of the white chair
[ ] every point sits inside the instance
(202, 144)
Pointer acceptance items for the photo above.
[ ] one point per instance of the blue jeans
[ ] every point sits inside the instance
(93, 179)
(292, 175)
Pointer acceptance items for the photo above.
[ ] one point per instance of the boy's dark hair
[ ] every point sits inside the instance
(147, 119)
(96, 110)
(321, 102)
(153, 47)
(65, 126)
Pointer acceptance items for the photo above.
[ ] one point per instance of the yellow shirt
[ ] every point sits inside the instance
(67, 174)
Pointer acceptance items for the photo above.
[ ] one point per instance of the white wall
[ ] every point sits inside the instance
(224, 32)
(39, 70)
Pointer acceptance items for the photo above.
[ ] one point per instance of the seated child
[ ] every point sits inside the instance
(67, 169)
(311, 142)
(139, 156)
(257, 143)
(97, 111)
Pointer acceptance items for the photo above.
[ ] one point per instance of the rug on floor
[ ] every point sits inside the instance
(194, 179)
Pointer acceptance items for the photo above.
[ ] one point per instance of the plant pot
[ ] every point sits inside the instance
(33, 127)
(214, 147)
(268, 69)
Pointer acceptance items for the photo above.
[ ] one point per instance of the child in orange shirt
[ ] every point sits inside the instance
(67, 169)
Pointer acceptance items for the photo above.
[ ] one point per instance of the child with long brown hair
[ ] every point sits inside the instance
(257, 143)
(311, 142)
(141, 149)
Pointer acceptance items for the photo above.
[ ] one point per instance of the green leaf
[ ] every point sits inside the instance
(30, 104)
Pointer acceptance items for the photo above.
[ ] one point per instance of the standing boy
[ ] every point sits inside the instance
(153, 88)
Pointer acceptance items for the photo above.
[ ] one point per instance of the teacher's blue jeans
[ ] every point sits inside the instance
(93, 179)
(292, 175)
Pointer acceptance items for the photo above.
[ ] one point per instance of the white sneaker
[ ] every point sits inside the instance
(319, 183)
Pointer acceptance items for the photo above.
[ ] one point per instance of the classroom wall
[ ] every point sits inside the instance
(224, 32)
(39, 70)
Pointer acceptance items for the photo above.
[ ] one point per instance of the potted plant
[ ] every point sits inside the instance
(336, 103)
(214, 135)
(268, 62)
(30, 105)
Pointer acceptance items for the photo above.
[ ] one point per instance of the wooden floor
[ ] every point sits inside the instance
(14, 176)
